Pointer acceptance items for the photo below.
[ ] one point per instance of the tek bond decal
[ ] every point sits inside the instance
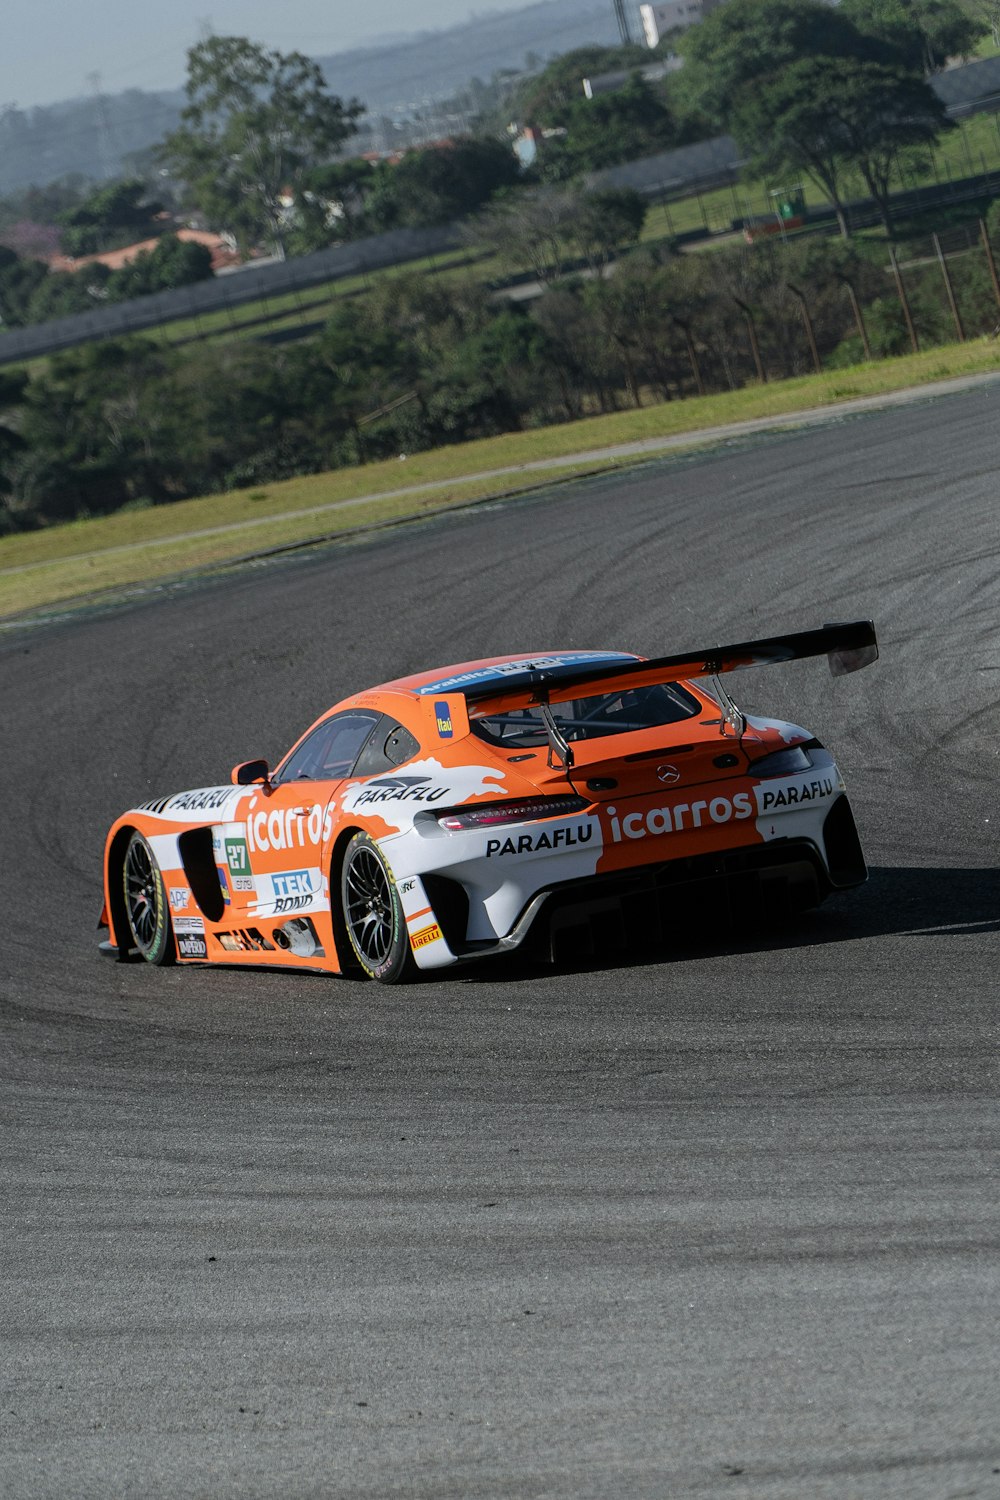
(290, 891)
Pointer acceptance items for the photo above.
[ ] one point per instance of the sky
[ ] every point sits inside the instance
(51, 48)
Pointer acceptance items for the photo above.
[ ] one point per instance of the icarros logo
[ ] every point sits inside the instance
(668, 774)
(683, 816)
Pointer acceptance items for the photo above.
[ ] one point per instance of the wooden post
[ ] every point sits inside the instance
(752, 332)
(904, 301)
(989, 259)
(858, 316)
(810, 331)
(949, 289)
(692, 356)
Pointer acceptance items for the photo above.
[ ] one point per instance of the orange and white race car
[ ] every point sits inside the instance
(579, 796)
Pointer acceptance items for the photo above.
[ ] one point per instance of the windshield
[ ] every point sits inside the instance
(592, 718)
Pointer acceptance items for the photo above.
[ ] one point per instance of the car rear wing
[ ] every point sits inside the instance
(847, 648)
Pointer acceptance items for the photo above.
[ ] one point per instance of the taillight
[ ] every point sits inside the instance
(527, 810)
(785, 762)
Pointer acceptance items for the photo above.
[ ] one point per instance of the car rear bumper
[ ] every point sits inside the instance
(654, 905)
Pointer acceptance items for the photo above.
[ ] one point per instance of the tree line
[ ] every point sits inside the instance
(838, 94)
(262, 151)
(419, 362)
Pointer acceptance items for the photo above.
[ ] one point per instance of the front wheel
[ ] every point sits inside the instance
(373, 913)
(146, 903)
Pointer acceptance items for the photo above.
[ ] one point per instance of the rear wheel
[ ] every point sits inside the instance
(146, 903)
(373, 913)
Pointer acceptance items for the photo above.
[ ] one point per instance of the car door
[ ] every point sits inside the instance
(271, 863)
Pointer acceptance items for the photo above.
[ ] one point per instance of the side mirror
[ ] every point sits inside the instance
(249, 772)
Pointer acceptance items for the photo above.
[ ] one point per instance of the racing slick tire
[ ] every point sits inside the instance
(373, 914)
(146, 906)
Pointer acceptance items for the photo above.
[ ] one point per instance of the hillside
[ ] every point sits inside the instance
(435, 64)
(96, 137)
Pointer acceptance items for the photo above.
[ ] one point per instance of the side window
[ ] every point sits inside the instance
(400, 746)
(330, 751)
(390, 745)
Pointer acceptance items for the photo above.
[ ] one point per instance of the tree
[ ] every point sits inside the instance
(801, 87)
(255, 123)
(442, 183)
(824, 116)
(747, 40)
(19, 279)
(101, 429)
(785, 123)
(44, 204)
(330, 204)
(62, 293)
(366, 358)
(112, 216)
(606, 223)
(530, 230)
(878, 112)
(173, 262)
(987, 13)
(924, 33)
(541, 100)
(12, 392)
(539, 229)
(492, 378)
(621, 125)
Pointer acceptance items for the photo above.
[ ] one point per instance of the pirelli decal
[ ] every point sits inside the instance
(425, 936)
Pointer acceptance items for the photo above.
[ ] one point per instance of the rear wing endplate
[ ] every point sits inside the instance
(847, 647)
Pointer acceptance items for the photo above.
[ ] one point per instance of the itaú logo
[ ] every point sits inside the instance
(668, 774)
(683, 816)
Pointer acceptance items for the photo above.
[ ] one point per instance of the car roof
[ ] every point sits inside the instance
(502, 671)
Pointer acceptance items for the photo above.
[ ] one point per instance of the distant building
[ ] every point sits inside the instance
(222, 247)
(606, 83)
(657, 20)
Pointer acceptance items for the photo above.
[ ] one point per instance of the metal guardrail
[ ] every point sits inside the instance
(257, 283)
(222, 293)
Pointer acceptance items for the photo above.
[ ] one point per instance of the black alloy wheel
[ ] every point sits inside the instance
(146, 903)
(373, 914)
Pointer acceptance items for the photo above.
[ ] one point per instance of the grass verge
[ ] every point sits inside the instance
(43, 568)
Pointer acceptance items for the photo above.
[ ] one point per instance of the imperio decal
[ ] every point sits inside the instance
(573, 796)
(190, 932)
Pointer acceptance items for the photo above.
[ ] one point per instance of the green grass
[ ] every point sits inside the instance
(40, 569)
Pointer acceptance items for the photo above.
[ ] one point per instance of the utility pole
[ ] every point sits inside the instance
(105, 145)
(623, 26)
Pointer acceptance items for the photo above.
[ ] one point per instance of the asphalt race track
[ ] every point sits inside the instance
(721, 1221)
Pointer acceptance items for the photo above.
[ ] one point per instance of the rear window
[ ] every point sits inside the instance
(592, 718)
